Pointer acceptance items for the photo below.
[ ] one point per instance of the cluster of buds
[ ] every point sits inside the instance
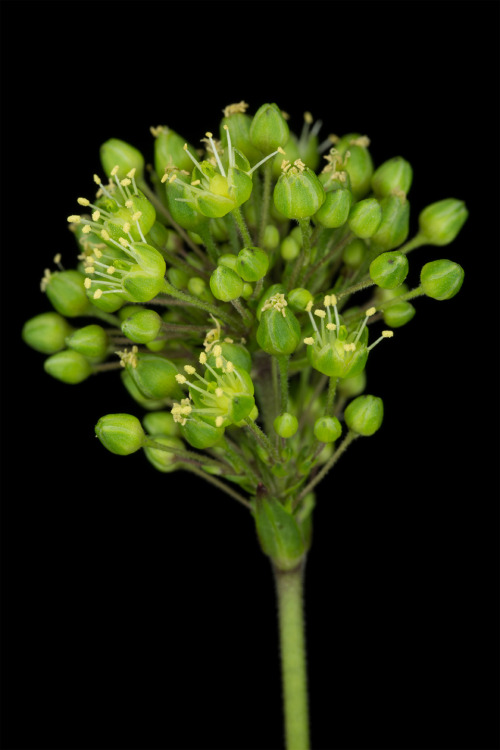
(221, 290)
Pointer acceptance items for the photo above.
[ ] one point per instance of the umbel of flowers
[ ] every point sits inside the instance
(238, 287)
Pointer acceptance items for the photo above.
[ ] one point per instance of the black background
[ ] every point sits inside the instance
(138, 611)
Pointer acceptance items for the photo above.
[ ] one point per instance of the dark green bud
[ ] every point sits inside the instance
(289, 248)
(394, 176)
(327, 429)
(395, 223)
(399, 314)
(67, 293)
(441, 222)
(279, 330)
(286, 425)
(68, 366)
(441, 279)
(389, 270)
(364, 415)
(252, 264)
(279, 534)
(46, 332)
(365, 217)
(91, 341)
(121, 434)
(225, 284)
(119, 153)
(164, 461)
(142, 326)
(269, 129)
(335, 210)
(298, 194)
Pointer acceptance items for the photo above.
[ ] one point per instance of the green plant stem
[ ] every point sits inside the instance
(283, 361)
(326, 468)
(266, 197)
(240, 221)
(332, 387)
(196, 302)
(262, 438)
(290, 592)
(304, 257)
(220, 485)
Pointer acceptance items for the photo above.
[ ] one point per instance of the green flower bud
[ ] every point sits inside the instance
(238, 124)
(441, 222)
(394, 176)
(271, 238)
(441, 279)
(46, 332)
(289, 248)
(229, 260)
(335, 210)
(364, 415)
(160, 423)
(279, 534)
(299, 298)
(66, 292)
(327, 429)
(269, 129)
(286, 425)
(91, 341)
(142, 326)
(252, 263)
(395, 223)
(164, 461)
(354, 253)
(198, 288)
(153, 374)
(225, 284)
(279, 330)
(68, 366)
(359, 162)
(121, 434)
(199, 434)
(365, 217)
(178, 277)
(353, 386)
(169, 151)
(235, 353)
(133, 391)
(298, 194)
(119, 153)
(399, 314)
(247, 290)
(389, 270)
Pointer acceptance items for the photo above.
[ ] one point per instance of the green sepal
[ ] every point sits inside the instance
(359, 164)
(46, 333)
(365, 217)
(164, 461)
(142, 326)
(149, 404)
(335, 210)
(169, 152)
(225, 284)
(121, 434)
(269, 129)
(279, 534)
(441, 222)
(393, 176)
(160, 423)
(389, 270)
(365, 414)
(154, 376)
(91, 341)
(199, 434)
(327, 429)
(441, 279)
(399, 314)
(286, 425)
(115, 152)
(67, 294)
(68, 366)
(278, 333)
(394, 225)
(252, 263)
(181, 205)
(298, 194)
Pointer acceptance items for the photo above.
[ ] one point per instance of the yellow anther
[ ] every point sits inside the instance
(86, 229)
(125, 182)
(228, 340)
(131, 174)
(308, 118)
(387, 334)
(155, 131)
(309, 341)
(320, 313)
(74, 219)
(136, 216)
(350, 347)
(195, 182)
(331, 326)
(83, 201)
(89, 269)
(110, 270)
(371, 311)
(123, 242)
(281, 151)
(126, 227)
(164, 178)
(229, 367)
(327, 301)
(233, 109)
(115, 170)
(180, 378)
(363, 140)
(219, 421)
(97, 293)
(309, 306)
(185, 147)
(189, 369)
(129, 203)
(333, 138)
(209, 134)
(96, 215)
(202, 358)
(218, 362)
(285, 165)
(46, 279)
(333, 300)
(88, 283)
(299, 164)
(97, 252)
(97, 179)
(217, 350)
(174, 177)
(219, 392)
(104, 234)
(57, 258)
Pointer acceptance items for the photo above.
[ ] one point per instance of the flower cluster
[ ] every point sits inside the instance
(222, 290)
